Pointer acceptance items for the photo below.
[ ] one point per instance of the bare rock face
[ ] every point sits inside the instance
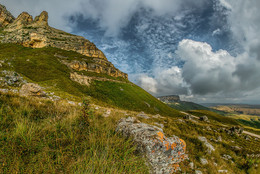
(41, 20)
(31, 89)
(97, 66)
(21, 21)
(5, 17)
(38, 34)
(163, 154)
(28, 28)
(83, 80)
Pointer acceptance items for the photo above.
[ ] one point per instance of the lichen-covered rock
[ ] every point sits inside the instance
(163, 153)
(207, 144)
(31, 89)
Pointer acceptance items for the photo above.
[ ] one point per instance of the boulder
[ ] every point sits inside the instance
(143, 115)
(198, 172)
(163, 153)
(236, 130)
(31, 89)
(210, 148)
(204, 118)
(188, 117)
(203, 161)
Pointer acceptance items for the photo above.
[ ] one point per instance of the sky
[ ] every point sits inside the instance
(206, 51)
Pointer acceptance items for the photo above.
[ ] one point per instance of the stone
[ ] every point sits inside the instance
(143, 115)
(203, 161)
(188, 117)
(83, 80)
(160, 125)
(11, 78)
(219, 138)
(226, 157)
(204, 118)
(107, 113)
(198, 172)
(222, 171)
(31, 89)
(191, 164)
(164, 154)
(236, 130)
(210, 148)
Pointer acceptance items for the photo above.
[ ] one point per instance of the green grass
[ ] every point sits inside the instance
(42, 67)
(214, 116)
(39, 136)
(129, 96)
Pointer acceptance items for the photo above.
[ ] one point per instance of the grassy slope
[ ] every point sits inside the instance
(214, 116)
(41, 66)
(39, 136)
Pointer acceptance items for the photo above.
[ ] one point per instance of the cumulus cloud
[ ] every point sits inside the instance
(216, 75)
(165, 82)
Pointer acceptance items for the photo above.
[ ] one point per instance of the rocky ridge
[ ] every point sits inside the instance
(36, 33)
(5, 16)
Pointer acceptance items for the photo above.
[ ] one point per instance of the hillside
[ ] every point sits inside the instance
(64, 108)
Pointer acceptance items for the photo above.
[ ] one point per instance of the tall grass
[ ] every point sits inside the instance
(39, 136)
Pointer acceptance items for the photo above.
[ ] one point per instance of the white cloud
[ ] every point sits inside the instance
(148, 83)
(112, 15)
(210, 74)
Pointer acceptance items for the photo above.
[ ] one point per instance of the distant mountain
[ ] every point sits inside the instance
(175, 102)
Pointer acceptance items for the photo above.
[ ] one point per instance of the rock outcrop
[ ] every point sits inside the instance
(5, 17)
(163, 154)
(31, 89)
(97, 66)
(36, 33)
(170, 99)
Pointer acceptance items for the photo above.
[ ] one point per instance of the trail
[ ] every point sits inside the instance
(251, 134)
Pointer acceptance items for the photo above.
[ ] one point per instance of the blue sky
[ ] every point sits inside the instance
(203, 50)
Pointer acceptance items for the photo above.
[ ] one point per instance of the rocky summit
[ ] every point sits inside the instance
(5, 16)
(36, 33)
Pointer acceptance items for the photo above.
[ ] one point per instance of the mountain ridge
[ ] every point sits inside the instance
(36, 33)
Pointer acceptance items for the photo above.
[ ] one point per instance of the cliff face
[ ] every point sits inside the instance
(36, 33)
(5, 16)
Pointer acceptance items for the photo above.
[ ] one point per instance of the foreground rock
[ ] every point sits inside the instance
(163, 154)
(210, 148)
(31, 89)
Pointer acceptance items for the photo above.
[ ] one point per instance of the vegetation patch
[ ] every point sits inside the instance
(40, 136)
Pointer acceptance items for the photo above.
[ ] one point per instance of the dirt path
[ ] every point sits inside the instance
(251, 134)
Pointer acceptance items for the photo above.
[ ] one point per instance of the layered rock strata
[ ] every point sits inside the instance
(5, 16)
(36, 33)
